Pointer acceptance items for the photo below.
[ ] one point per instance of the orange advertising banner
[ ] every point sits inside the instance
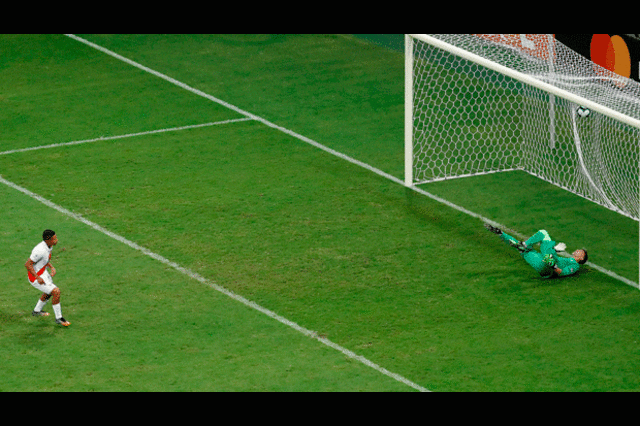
(535, 44)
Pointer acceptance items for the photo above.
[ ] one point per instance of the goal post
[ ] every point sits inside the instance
(408, 110)
(477, 104)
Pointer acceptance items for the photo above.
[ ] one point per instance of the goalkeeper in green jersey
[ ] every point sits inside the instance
(546, 262)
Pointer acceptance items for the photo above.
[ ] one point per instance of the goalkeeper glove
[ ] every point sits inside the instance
(560, 247)
(549, 260)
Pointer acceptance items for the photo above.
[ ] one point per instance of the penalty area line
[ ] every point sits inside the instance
(130, 135)
(215, 286)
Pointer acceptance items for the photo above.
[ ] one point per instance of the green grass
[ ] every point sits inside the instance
(412, 285)
(140, 326)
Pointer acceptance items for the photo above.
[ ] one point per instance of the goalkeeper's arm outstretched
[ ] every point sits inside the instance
(546, 262)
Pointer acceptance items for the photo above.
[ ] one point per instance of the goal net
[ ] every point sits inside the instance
(477, 104)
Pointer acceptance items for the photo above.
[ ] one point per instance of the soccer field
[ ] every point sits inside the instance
(231, 217)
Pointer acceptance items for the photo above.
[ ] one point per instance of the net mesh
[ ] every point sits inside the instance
(468, 119)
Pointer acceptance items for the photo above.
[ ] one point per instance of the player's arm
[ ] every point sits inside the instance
(550, 260)
(29, 266)
(569, 270)
(53, 270)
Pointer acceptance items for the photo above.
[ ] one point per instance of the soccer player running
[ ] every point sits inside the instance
(40, 278)
(546, 262)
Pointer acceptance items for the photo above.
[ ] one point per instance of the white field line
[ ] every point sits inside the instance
(223, 290)
(213, 285)
(325, 148)
(108, 138)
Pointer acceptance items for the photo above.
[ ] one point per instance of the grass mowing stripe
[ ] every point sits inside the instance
(107, 138)
(322, 147)
(215, 286)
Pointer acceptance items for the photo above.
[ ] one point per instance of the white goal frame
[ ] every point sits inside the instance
(499, 68)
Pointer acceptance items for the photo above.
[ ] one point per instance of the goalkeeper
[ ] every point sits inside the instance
(546, 262)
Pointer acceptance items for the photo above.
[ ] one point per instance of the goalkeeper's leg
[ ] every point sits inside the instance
(547, 245)
(532, 257)
(538, 237)
(514, 242)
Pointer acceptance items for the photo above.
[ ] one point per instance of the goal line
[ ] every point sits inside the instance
(320, 146)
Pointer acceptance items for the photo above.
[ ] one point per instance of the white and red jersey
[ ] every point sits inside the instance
(40, 256)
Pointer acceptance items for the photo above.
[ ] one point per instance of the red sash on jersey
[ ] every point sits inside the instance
(32, 278)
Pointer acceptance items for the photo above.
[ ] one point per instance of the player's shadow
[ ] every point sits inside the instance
(30, 332)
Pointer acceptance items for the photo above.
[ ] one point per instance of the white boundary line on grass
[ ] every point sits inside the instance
(213, 285)
(108, 138)
(324, 148)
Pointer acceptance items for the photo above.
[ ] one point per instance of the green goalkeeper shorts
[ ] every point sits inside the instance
(534, 258)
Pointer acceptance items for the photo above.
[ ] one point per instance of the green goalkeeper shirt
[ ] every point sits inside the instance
(568, 265)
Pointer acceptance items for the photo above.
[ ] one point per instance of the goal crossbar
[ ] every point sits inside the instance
(476, 105)
(549, 88)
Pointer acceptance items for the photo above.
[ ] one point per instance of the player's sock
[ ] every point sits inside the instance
(521, 246)
(513, 242)
(39, 305)
(57, 310)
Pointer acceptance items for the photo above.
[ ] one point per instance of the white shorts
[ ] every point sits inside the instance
(48, 285)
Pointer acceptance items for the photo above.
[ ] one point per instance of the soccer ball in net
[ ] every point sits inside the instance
(583, 112)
